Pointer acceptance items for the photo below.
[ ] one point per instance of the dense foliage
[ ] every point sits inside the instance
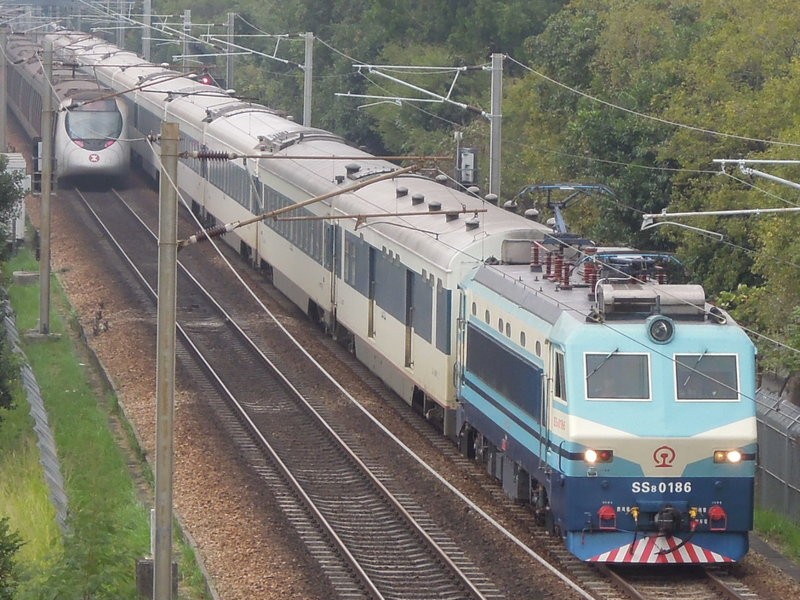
(10, 542)
(639, 95)
(10, 194)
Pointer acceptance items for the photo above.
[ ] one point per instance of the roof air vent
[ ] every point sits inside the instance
(473, 223)
(401, 191)
(451, 216)
(441, 178)
(434, 206)
(532, 214)
(417, 199)
(352, 169)
(491, 199)
(510, 205)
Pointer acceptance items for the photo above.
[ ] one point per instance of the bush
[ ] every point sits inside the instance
(10, 542)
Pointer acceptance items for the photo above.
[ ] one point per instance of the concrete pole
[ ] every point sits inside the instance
(457, 137)
(47, 178)
(229, 58)
(165, 367)
(147, 18)
(187, 31)
(120, 25)
(3, 88)
(308, 71)
(496, 119)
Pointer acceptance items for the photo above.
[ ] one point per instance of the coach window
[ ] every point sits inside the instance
(500, 325)
(603, 381)
(474, 309)
(508, 329)
(706, 377)
(522, 338)
(487, 317)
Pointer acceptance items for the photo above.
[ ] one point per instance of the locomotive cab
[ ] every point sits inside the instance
(93, 124)
(656, 429)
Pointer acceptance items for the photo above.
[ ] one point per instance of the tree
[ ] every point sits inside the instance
(10, 542)
(10, 195)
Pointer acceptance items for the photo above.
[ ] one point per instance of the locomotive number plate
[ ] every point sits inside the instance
(661, 487)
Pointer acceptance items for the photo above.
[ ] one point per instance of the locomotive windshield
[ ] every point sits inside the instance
(706, 377)
(605, 379)
(95, 125)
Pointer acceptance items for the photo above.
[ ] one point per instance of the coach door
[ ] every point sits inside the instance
(409, 317)
(556, 392)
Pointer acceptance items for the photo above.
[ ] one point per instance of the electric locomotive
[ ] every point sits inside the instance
(622, 407)
(89, 125)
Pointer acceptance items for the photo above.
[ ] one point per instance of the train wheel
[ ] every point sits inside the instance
(466, 442)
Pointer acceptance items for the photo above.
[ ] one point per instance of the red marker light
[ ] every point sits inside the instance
(717, 518)
(607, 517)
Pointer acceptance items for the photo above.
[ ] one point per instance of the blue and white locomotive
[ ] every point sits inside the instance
(620, 406)
(89, 122)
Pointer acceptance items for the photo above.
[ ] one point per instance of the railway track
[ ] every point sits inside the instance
(317, 486)
(367, 543)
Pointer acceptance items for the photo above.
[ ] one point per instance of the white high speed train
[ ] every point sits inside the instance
(89, 125)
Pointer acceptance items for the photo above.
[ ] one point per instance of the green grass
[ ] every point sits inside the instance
(780, 531)
(23, 494)
(108, 525)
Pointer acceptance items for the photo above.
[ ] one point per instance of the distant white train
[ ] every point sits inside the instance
(620, 405)
(89, 138)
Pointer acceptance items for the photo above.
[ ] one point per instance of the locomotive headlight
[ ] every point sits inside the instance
(660, 329)
(592, 456)
(727, 456)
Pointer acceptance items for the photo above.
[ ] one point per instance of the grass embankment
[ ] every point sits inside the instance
(108, 524)
(781, 532)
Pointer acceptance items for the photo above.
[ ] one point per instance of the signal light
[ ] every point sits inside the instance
(727, 456)
(206, 79)
(592, 456)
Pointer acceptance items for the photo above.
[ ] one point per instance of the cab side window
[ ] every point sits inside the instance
(559, 378)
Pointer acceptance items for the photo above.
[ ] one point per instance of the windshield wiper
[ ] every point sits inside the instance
(602, 362)
(694, 368)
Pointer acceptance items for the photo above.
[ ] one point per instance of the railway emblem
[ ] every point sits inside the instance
(93, 158)
(664, 456)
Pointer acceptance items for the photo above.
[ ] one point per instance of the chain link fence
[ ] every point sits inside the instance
(46, 443)
(778, 472)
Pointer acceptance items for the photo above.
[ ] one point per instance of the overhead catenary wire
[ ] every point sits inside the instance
(610, 105)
